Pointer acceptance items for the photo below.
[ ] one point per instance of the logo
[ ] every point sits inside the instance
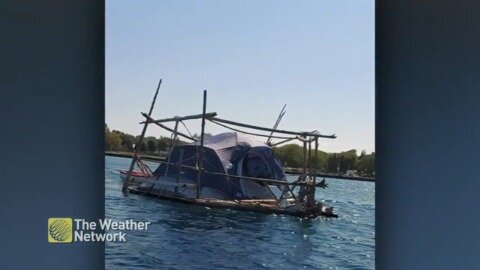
(69, 230)
(60, 230)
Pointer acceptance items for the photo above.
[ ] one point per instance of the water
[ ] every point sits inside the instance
(184, 236)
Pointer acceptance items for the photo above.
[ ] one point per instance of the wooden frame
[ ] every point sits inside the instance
(304, 203)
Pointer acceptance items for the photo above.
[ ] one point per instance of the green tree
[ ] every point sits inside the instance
(143, 147)
(320, 163)
(366, 163)
(113, 142)
(291, 155)
(348, 160)
(127, 142)
(151, 144)
(333, 163)
(163, 143)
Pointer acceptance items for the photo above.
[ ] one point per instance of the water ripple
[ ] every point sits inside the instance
(183, 236)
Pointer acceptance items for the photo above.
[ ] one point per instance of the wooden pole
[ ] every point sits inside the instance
(169, 129)
(303, 134)
(173, 143)
(311, 189)
(310, 157)
(200, 157)
(305, 158)
(252, 133)
(275, 126)
(315, 167)
(304, 189)
(140, 140)
(179, 169)
(183, 118)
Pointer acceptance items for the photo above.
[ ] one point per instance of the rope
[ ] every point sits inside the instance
(186, 128)
(144, 168)
(235, 176)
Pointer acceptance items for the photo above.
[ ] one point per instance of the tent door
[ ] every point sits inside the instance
(254, 165)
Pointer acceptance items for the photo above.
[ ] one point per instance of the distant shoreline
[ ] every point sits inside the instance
(331, 175)
(130, 154)
(287, 169)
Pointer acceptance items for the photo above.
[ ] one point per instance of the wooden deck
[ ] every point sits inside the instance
(261, 206)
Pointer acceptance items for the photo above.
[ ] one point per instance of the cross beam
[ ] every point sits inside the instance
(178, 118)
(313, 134)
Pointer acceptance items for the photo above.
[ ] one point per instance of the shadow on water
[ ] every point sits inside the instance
(205, 218)
(173, 214)
(249, 233)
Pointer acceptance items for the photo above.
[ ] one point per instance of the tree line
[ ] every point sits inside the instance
(291, 155)
(122, 142)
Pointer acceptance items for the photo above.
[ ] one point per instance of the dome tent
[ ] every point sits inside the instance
(228, 153)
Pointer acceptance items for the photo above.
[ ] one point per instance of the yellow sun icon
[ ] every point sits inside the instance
(60, 230)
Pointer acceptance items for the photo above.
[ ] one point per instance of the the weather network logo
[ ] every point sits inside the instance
(68, 230)
(60, 230)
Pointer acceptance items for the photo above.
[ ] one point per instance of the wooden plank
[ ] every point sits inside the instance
(254, 207)
(266, 201)
(165, 183)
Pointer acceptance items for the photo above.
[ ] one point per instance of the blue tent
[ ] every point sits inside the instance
(228, 153)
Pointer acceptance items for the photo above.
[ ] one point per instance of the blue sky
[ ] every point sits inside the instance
(252, 57)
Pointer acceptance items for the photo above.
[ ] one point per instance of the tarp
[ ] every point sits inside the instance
(228, 153)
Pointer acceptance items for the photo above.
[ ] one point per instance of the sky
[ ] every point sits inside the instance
(252, 57)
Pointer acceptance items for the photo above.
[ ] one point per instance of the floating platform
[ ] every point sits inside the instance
(229, 170)
(268, 206)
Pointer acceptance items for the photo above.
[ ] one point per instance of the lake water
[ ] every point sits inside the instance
(184, 236)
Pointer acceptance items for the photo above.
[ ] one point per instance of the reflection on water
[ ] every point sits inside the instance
(184, 236)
